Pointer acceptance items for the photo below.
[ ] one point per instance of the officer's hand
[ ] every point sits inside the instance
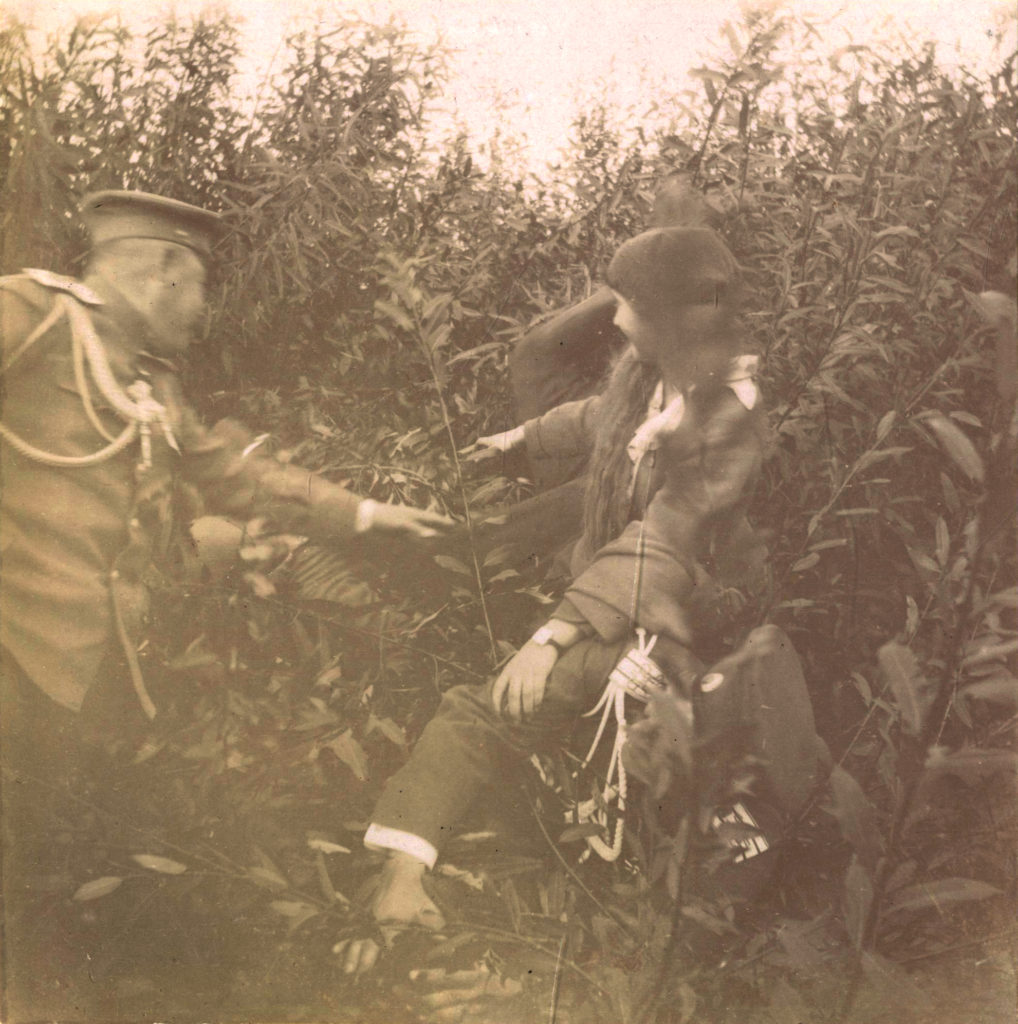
(407, 521)
(522, 682)
(494, 444)
(453, 996)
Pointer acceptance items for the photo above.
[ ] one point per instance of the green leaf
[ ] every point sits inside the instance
(163, 865)
(501, 555)
(708, 75)
(943, 541)
(329, 676)
(871, 458)
(786, 1004)
(325, 846)
(505, 574)
(857, 897)
(435, 339)
(805, 943)
(1001, 689)
(444, 950)
(893, 992)
(806, 563)
(1001, 312)
(717, 925)
(296, 913)
(97, 888)
(972, 764)
(388, 728)
(956, 444)
(939, 894)
(856, 818)
(897, 230)
(351, 753)
(452, 565)
(885, 424)
(580, 831)
(267, 878)
(395, 314)
(468, 878)
(912, 691)
(291, 908)
(977, 247)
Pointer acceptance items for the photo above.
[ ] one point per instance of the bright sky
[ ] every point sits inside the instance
(542, 54)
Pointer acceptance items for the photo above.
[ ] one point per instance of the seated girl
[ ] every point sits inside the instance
(677, 442)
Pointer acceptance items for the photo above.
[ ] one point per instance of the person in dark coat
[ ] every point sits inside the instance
(676, 442)
(567, 356)
(95, 435)
(562, 359)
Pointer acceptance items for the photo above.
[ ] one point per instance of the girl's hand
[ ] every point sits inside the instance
(495, 444)
(522, 682)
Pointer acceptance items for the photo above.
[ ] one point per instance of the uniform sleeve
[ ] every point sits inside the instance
(565, 431)
(236, 479)
(711, 463)
(19, 314)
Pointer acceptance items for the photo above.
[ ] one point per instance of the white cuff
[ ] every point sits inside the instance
(365, 516)
(256, 443)
(380, 837)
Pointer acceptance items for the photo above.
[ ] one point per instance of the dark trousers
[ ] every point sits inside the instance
(52, 765)
(468, 746)
(538, 531)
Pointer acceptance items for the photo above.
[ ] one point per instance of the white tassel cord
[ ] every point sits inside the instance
(634, 676)
(136, 406)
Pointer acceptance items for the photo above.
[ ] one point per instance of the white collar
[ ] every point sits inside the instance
(742, 379)
(662, 419)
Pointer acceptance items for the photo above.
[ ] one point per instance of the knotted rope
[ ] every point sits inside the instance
(634, 676)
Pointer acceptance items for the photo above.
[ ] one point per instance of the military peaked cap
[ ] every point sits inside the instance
(113, 215)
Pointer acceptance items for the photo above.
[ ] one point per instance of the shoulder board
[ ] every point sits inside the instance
(59, 283)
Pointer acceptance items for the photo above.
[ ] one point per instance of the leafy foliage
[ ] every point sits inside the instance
(371, 284)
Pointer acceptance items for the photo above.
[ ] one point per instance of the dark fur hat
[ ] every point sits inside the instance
(664, 269)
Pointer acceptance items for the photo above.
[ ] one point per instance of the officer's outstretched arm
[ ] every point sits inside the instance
(237, 479)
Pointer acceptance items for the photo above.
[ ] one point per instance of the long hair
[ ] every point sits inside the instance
(623, 409)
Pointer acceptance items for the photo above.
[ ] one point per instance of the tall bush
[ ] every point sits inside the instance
(373, 279)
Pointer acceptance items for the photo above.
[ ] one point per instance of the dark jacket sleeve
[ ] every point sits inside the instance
(565, 431)
(710, 464)
(240, 481)
(563, 358)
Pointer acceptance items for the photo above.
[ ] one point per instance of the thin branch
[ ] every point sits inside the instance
(447, 420)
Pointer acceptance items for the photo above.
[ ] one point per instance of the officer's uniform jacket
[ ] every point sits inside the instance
(75, 543)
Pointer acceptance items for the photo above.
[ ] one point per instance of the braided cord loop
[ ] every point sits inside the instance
(634, 676)
(136, 407)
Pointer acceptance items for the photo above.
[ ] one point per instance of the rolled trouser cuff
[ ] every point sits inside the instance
(381, 837)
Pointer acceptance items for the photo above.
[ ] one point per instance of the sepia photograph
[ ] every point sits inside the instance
(508, 512)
